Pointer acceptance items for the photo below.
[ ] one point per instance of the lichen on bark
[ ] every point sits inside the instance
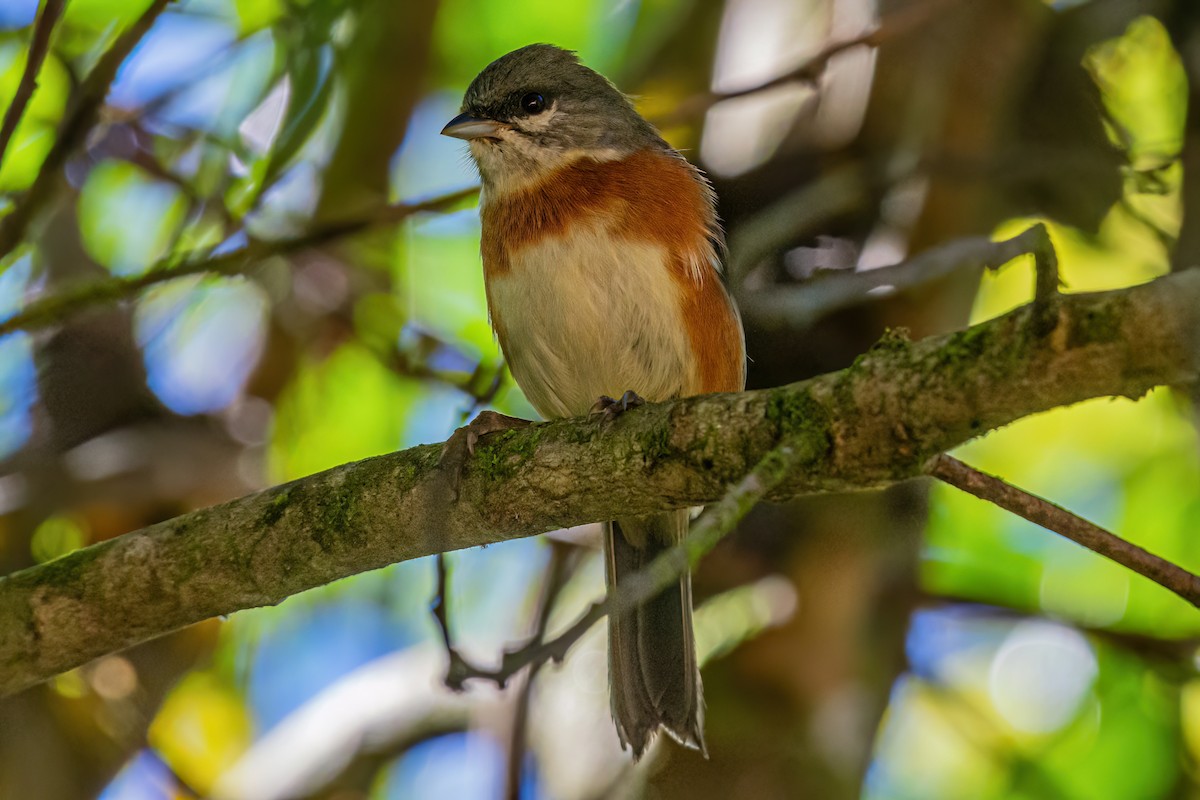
(871, 425)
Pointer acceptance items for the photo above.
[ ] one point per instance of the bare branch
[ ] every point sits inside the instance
(892, 27)
(55, 308)
(39, 46)
(716, 522)
(799, 306)
(868, 426)
(564, 559)
(81, 116)
(1058, 519)
(459, 670)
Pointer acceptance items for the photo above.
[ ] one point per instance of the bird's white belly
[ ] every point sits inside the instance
(588, 315)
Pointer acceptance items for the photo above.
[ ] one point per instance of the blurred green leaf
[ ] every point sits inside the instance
(1126, 741)
(1144, 89)
(127, 218)
(35, 133)
(254, 15)
(310, 76)
(344, 408)
(89, 26)
(433, 261)
(472, 33)
(49, 99)
(201, 233)
(29, 147)
(104, 14)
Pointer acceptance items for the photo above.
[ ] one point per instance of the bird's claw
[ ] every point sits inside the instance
(609, 409)
(461, 445)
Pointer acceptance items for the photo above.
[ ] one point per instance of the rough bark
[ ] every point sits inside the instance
(868, 426)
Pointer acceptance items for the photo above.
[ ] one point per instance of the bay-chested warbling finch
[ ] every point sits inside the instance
(601, 258)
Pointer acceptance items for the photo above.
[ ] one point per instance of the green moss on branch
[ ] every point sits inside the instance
(870, 425)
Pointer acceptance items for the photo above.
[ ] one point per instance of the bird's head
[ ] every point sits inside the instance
(538, 108)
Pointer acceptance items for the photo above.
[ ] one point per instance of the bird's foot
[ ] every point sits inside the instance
(461, 445)
(609, 409)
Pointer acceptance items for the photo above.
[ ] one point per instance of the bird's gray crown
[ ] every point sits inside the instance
(588, 111)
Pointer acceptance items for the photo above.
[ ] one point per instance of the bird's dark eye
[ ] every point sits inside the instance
(533, 103)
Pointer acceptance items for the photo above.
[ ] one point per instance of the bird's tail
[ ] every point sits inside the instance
(653, 677)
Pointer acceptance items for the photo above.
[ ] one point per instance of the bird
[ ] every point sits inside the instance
(601, 252)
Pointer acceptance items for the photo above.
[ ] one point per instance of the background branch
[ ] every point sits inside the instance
(39, 46)
(871, 425)
(564, 559)
(806, 303)
(58, 307)
(716, 523)
(895, 25)
(1058, 519)
(79, 121)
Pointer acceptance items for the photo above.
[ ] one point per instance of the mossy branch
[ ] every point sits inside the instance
(874, 424)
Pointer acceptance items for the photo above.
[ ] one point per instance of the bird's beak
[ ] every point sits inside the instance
(465, 126)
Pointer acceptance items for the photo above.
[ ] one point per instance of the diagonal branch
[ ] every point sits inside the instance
(894, 26)
(802, 305)
(39, 46)
(55, 308)
(1058, 519)
(81, 116)
(714, 524)
(871, 425)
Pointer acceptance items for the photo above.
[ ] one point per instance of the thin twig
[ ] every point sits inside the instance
(50, 310)
(55, 308)
(84, 110)
(712, 526)
(39, 46)
(806, 303)
(564, 558)
(892, 27)
(459, 669)
(1055, 518)
(1046, 278)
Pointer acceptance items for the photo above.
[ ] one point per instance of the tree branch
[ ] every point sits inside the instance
(57, 307)
(81, 116)
(564, 559)
(894, 26)
(716, 523)
(39, 46)
(1058, 519)
(868, 426)
(796, 307)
